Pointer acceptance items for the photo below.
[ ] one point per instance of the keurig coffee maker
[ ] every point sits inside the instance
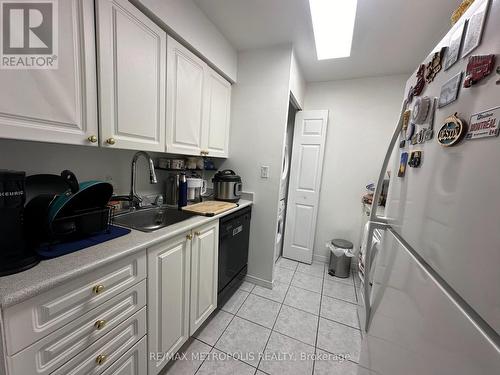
(14, 254)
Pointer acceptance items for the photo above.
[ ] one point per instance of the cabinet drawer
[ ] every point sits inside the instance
(109, 348)
(39, 316)
(51, 352)
(133, 362)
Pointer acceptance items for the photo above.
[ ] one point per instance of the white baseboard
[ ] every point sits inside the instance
(258, 281)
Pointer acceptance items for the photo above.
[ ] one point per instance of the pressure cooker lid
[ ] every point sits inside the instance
(227, 175)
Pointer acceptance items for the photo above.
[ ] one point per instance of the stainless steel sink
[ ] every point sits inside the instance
(151, 219)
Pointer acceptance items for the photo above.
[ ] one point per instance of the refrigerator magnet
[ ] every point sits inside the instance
(421, 110)
(415, 159)
(484, 124)
(451, 132)
(406, 119)
(449, 91)
(410, 131)
(453, 49)
(419, 85)
(478, 68)
(475, 27)
(402, 164)
(434, 66)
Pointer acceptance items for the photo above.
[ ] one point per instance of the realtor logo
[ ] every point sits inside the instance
(29, 34)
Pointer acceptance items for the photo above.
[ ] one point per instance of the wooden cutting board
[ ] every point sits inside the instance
(209, 208)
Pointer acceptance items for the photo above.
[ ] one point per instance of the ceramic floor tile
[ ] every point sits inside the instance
(305, 281)
(340, 311)
(190, 361)
(247, 286)
(303, 299)
(245, 338)
(297, 324)
(339, 339)
(283, 275)
(259, 310)
(211, 332)
(284, 355)
(220, 363)
(314, 269)
(331, 364)
(276, 294)
(287, 263)
(339, 290)
(235, 302)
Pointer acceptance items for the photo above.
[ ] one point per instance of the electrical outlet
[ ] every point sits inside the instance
(264, 171)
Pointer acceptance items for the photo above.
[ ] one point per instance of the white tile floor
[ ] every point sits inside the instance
(260, 331)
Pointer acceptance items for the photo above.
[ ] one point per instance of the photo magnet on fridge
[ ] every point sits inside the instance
(415, 159)
(475, 27)
(484, 124)
(449, 91)
(453, 50)
(402, 164)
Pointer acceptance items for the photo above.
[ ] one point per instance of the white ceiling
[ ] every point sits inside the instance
(390, 36)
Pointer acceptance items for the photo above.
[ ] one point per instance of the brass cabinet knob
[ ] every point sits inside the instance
(99, 324)
(110, 141)
(202, 153)
(98, 289)
(189, 236)
(101, 358)
(92, 139)
(197, 234)
(206, 152)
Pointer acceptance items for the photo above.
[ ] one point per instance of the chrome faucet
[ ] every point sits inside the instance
(135, 199)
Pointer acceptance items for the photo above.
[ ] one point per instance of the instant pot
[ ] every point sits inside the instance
(227, 186)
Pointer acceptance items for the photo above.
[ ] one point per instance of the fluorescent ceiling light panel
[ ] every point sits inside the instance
(333, 25)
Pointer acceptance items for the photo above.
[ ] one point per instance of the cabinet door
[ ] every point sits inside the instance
(132, 69)
(168, 299)
(218, 109)
(56, 105)
(133, 362)
(204, 266)
(185, 100)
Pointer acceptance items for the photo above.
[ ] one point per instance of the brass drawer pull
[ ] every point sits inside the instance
(92, 139)
(98, 289)
(100, 324)
(110, 141)
(189, 236)
(101, 358)
(197, 234)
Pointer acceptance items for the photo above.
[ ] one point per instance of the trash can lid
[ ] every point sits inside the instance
(343, 244)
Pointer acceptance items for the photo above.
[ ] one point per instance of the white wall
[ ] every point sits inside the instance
(363, 114)
(258, 122)
(88, 163)
(297, 82)
(185, 19)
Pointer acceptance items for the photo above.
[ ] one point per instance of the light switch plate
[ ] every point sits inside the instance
(264, 171)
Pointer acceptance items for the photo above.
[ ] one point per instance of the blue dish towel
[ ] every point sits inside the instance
(53, 251)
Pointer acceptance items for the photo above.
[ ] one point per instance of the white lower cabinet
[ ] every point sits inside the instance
(204, 265)
(168, 299)
(182, 290)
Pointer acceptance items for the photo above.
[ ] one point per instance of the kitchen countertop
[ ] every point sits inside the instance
(50, 273)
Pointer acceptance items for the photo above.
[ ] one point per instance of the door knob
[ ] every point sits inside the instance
(110, 141)
(92, 139)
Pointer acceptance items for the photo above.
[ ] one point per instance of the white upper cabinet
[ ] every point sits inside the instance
(185, 100)
(216, 131)
(198, 105)
(132, 69)
(56, 105)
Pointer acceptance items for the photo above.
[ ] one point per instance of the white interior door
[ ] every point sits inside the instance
(304, 184)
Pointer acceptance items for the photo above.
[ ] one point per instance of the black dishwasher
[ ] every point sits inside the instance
(234, 232)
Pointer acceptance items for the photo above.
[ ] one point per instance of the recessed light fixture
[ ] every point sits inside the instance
(333, 25)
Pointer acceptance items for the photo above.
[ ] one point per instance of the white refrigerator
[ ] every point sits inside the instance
(429, 296)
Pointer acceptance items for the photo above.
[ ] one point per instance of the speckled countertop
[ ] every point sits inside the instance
(50, 273)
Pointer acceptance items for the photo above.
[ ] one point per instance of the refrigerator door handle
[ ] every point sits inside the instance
(387, 158)
(370, 244)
